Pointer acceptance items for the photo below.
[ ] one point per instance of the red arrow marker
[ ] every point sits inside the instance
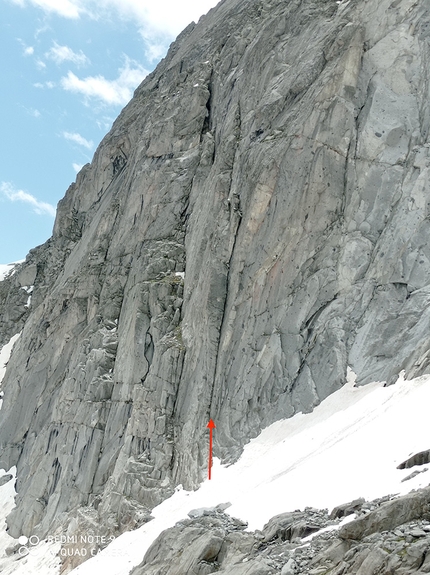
(211, 426)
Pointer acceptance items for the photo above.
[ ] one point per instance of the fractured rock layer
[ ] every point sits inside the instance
(389, 536)
(256, 220)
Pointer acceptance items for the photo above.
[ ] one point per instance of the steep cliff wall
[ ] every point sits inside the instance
(256, 220)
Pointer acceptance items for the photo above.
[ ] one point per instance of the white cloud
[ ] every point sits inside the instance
(65, 8)
(158, 22)
(40, 64)
(78, 139)
(117, 91)
(32, 112)
(77, 167)
(60, 54)
(155, 49)
(163, 16)
(41, 30)
(27, 50)
(160, 17)
(15, 195)
(49, 85)
(105, 123)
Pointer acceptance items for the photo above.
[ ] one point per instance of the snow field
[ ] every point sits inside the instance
(5, 352)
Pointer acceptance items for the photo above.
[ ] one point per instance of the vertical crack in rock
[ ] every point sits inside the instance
(208, 119)
(235, 213)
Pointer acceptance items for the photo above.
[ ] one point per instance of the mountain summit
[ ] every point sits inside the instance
(256, 221)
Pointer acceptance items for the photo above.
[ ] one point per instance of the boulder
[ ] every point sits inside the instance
(346, 509)
(389, 515)
(5, 478)
(416, 459)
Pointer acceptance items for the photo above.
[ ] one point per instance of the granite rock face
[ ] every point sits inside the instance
(256, 220)
(15, 290)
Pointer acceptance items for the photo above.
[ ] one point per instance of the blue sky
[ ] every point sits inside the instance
(67, 69)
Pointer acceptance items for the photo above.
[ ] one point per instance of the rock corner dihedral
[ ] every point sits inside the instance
(256, 220)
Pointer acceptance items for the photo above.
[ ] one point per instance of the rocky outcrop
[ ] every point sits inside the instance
(397, 543)
(416, 459)
(197, 546)
(347, 508)
(14, 308)
(389, 515)
(256, 220)
(393, 537)
(215, 542)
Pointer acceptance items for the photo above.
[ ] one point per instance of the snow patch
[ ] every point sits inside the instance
(29, 290)
(5, 353)
(5, 270)
(32, 558)
(8, 269)
(7, 503)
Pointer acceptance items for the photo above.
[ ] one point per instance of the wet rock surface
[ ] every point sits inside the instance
(256, 220)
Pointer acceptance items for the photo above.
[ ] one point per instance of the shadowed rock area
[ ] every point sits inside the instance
(256, 220)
